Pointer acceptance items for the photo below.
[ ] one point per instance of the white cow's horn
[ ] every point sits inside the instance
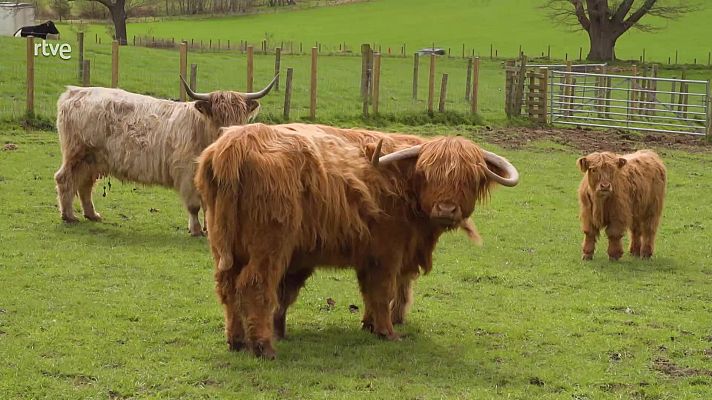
(192, 94)
(502, 163)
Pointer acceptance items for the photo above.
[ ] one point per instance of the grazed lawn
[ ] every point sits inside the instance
(126, 309)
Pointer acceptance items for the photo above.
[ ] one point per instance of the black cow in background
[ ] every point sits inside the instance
(39, 31)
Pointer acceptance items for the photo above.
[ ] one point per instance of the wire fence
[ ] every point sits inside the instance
(630, 102)
(155, 72)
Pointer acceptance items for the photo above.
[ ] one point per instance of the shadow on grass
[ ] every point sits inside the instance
(347, 352)
(111, 234)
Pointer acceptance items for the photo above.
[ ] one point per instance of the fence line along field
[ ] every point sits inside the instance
(338, 81)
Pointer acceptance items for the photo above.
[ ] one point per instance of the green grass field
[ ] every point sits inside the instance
(125, 308)
(504, 24)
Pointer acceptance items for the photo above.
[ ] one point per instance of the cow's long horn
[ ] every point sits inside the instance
(263, 92)
(502, 163)
(192, 94)
(410, 152)
(377, 153)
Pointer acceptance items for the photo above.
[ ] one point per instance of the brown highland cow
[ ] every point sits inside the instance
(621, 193)
(280, 202)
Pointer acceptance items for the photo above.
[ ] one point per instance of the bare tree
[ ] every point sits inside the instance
(606, 20)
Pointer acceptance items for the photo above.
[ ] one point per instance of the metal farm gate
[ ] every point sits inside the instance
(630, 102)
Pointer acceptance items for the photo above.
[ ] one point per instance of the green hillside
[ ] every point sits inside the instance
(505, 24)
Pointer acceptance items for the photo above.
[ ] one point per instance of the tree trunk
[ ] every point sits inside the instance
(118, 16)
(603, 45)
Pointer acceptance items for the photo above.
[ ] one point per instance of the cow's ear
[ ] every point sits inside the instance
(582, 164)
(252, 105)
(204, 107)
(621, 162)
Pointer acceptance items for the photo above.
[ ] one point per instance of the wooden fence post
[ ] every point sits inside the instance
(431, 84)
(544, 90)
(115, 64)
(288, 93)
(416, 65)
(30, 76)
(443, 93)
(474, 95)
(468, 79)
(183, 68)
(80, 58)
(519, 90)
(312, 90)
(86, 73)
(193, 77)
(509, 87)
(250, 68)
(376, 80)
(277, 62)
(366, 54)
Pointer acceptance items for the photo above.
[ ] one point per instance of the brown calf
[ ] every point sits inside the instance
(621, 193)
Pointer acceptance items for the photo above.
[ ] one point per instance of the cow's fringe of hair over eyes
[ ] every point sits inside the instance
(231, 108)
(455, 159)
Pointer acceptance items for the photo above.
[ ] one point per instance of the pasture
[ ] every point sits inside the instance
(126, 309)
(420, 23)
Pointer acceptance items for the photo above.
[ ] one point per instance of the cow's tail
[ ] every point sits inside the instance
(219, 199)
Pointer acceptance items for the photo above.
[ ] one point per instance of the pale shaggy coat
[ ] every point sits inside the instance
(137, 138)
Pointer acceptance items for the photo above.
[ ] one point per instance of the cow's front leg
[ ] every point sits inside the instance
(258, 300)
(194, 221)
(378, 287)
(404, 298)
(589, 242)
(191, 200)
(288, 291)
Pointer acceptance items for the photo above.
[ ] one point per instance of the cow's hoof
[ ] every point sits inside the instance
(70, 219)
(367, 326)
(96, 217)
(236, 345)
(614, 257)
(264, 350)
(587, 257)
(646, 256)
(198, 233)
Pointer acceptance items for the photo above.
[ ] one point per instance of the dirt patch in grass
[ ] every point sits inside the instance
(669, 368)
(590, 140)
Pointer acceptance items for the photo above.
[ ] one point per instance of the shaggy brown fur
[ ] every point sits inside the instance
(281, 202)
(139, 139)
(367, 141)
(621, 193)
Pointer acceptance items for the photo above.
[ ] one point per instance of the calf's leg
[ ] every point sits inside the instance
(615, 232)
(635, 241)
(589, 243)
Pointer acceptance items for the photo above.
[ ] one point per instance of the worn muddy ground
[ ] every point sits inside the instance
(590, 140)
